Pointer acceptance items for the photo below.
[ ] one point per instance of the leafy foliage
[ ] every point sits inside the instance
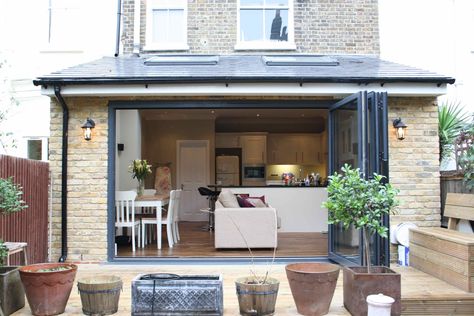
(466, 161)
(353, 200)
(3, 252)
(10, 196)
(7, 103)
(451, 121)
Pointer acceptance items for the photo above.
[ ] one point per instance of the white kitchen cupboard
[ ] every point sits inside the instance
(293, 149)
(254, 149)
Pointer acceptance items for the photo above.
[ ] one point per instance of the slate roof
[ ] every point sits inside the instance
(239, 68)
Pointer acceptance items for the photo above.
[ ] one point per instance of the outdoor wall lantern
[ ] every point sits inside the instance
(399, 128)
(87, 129)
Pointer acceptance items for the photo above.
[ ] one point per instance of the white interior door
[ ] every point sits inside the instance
(193, 172)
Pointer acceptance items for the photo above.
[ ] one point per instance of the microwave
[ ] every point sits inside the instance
(254, 172)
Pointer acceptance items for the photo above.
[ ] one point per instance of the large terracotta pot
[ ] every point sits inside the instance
(48, 291)
(312, 285)
(358, 284)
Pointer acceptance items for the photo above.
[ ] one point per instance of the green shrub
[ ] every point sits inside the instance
(3, 252)
(10, 196)
(466, 161)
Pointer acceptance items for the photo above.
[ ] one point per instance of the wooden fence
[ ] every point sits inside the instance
(451, 184)
(31, 224)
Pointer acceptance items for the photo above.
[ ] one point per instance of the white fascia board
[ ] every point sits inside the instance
(248, 89)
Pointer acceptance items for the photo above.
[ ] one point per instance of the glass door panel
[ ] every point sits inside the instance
(358, 136)
(345, 146)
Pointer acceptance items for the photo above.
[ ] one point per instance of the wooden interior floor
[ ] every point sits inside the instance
(422, 294)
(198, 243)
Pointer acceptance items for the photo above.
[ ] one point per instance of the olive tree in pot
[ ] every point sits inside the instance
(12, 295)
(361, 203)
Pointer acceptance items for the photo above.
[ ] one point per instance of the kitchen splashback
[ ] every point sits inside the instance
(274, 172)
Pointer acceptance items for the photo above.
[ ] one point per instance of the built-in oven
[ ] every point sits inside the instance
(254, 172)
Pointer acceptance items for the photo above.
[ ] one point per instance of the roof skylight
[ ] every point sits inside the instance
(172, 60)
(300, 60)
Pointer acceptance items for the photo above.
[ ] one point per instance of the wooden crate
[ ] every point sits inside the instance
(445, 254)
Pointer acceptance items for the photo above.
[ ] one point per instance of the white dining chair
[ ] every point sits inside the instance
(166, 219)
(176, 236)
(125, 214)
(144, 212)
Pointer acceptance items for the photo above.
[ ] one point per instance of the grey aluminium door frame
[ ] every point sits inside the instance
(113, 106)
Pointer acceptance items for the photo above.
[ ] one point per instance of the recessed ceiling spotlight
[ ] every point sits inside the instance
(258, 115)
(302, 115)
(212, 111)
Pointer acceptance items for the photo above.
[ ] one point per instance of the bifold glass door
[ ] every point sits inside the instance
(358, 136)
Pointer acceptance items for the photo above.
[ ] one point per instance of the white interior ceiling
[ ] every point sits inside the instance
(209, 114)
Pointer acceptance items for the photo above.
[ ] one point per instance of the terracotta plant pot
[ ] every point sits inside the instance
(12, 296)
(358, 284)
(48, 292)
(312, 285)
(257, 299)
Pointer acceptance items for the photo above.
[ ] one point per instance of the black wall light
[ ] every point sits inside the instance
(400, 128)
(87, 129)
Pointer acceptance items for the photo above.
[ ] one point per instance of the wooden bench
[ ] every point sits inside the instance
(446, 253)
(15, 247)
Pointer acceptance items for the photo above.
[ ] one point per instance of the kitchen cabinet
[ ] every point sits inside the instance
(227, 140)
(254, 149)
(294, 149)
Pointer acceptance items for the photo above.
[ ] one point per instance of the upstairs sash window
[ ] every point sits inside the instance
(166, 25)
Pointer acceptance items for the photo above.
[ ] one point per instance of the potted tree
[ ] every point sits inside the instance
(12, 296)
(361, 203)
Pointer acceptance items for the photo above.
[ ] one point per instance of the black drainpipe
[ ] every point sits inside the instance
(117, 35)
(59, 97)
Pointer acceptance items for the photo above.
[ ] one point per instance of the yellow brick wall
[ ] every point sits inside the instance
(414, 169)
(414, 165)
(87, 180)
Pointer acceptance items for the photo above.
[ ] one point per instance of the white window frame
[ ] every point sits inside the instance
(166, 5)
(44, 146)
(56, 46)
(267, 44)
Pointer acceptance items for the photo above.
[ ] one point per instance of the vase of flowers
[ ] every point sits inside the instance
(140, 169)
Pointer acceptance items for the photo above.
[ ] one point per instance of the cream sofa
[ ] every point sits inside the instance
(258, 225)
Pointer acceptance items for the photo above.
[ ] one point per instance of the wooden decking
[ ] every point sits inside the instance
(198, 243)
(421, 293)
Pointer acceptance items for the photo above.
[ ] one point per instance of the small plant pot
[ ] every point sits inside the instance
(257, 298)
(48, 286)
(100, 294)
(358, 284)
(12, 295)
(312, 286)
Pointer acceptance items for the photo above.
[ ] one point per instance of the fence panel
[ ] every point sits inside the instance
(451, 184)
(31, 224)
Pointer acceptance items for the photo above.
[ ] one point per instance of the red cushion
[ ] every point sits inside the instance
(243, 202)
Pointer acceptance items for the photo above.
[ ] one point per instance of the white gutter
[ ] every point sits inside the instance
(249, 89)
(136, 28)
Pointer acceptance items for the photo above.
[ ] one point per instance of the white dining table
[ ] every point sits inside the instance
(156, 201)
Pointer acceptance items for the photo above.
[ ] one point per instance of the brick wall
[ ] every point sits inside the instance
(414, 169)
(414, 165)
(87, 180)
(321, 26)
